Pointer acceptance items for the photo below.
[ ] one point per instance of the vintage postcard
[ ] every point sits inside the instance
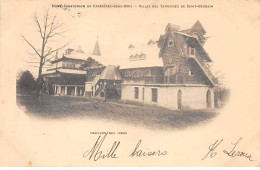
(105, 83)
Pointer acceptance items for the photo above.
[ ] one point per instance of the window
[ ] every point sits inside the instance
(147, 73)
(73, 64)
(136, 92)
(128, 74)
(168, 72)
(192, 51)
(191, 72)
(171, 71)
(64, 64)
(170, 43)
(137, 74)
(143, 94)
(154, 95)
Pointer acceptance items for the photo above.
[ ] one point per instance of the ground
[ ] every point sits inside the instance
(58, 107)
(57, 132)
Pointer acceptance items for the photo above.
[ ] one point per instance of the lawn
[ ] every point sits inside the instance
(58, 107)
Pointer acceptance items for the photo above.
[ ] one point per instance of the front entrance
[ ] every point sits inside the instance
(208, 98)
(179, 98)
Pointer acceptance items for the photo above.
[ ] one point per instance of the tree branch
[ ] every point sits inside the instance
(31, 46)
(58, 33)
(35, 18)
(45, 22)
(52, 51)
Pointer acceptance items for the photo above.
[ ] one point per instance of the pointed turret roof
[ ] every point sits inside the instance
(199, 26)
(96, 50)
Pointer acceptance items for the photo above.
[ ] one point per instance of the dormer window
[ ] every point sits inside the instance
(192, 51)
(191, 72)
(171, 43)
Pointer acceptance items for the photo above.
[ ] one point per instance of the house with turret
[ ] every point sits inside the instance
(171, 72)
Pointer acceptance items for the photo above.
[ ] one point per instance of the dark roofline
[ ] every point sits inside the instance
(140, 67)
(64, 57)
(57, 60)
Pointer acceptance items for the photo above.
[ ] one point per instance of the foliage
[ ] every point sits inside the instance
(26, 81)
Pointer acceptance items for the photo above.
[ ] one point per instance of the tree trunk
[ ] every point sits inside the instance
(40, 71)
(39, 82)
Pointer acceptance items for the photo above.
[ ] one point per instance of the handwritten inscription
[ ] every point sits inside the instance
(99, 152)
(139, 152)
(96, 153)
(232, 153)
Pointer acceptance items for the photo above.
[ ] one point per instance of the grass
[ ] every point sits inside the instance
(57, 107)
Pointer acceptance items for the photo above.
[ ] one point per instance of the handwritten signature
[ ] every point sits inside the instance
(232, 153)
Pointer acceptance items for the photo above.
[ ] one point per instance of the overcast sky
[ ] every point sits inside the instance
(232, 28)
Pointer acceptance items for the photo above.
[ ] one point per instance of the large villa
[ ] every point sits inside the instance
(170, 71)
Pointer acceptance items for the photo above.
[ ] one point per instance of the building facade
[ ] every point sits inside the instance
(171, 72)
(66, 75)
(183, 81)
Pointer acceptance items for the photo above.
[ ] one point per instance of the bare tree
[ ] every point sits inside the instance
(48, 29)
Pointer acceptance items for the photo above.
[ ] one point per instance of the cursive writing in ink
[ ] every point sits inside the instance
(234, 153)
(139, 152)
(212, 148)
(96, 153)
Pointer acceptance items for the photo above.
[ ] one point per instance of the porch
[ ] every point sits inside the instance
(74, 90)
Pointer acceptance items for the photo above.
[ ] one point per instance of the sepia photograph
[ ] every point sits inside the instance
(130, 83)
